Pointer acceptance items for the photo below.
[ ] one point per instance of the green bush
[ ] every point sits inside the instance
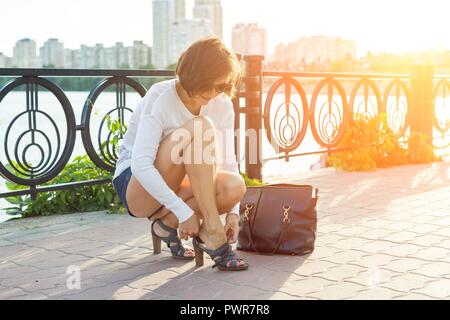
(79, 199)
(251, 182)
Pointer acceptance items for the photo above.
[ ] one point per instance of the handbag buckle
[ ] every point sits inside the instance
(286, 218)
(248, 207)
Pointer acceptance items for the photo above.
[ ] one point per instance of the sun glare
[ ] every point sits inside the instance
(377, 26)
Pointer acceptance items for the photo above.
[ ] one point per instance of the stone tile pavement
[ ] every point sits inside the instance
(381, 235)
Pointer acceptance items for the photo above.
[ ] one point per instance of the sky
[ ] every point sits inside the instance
(376, 25)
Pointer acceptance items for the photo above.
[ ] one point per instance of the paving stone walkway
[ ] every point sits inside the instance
(381, 235)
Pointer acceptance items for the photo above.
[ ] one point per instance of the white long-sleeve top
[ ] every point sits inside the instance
(160, 112)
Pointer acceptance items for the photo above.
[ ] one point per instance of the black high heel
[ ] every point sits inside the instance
(221, 256)
(172, 240)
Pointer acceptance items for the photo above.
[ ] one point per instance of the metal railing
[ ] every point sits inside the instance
(408, 100)
(17, 169)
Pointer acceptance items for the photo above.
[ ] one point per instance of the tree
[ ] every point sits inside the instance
(124, 66)
(147, 67)
(172, 66)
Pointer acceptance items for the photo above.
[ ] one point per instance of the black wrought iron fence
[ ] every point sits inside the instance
(407, 100)
(283, 105)
(55, 151)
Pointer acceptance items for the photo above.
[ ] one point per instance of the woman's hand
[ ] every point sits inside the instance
(189, 228)
(232, 227)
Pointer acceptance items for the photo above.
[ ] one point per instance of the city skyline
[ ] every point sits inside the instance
(307, 53)
(390, 27)
(53, 54)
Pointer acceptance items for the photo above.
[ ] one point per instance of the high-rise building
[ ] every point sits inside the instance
(82, 57)
(69, 59)
(165, 13)
(249, 39)
(180, 9)
(139, 55)
(91, 57)
(117, 56)
(212, 10)
(99, 55)
(185, 32)
(5, 61)
(316, 50)
(24, 54)
(52, 54)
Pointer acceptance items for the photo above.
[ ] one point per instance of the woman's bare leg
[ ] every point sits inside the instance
(201, 176)
(230, 188)
(200, 165)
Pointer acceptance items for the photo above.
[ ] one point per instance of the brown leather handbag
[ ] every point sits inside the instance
(278, 219)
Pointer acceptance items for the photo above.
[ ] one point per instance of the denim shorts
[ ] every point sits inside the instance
(120, 184)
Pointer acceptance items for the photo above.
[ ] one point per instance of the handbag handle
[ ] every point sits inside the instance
(286, 222)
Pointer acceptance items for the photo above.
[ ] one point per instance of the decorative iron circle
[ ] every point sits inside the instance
(367, 84)
(330, 129)
(49, 166)
(106, 158)
(24, 166)
(445, 85)
(288, 130)
(399, 116)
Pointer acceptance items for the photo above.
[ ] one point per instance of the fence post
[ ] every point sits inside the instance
(422, 104)
(253, 103)
(237, 118)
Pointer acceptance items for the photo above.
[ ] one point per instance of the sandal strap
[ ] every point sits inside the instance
(177, 250)
(171, 230)
(227, 256)
(221, 256)
(213, 253)
(172, 240)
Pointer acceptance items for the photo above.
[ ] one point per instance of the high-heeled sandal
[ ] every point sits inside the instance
(221, 256)
(172, 240)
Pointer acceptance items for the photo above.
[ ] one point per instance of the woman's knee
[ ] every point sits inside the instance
(201, 148)
(232, 187)
(202, 127)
